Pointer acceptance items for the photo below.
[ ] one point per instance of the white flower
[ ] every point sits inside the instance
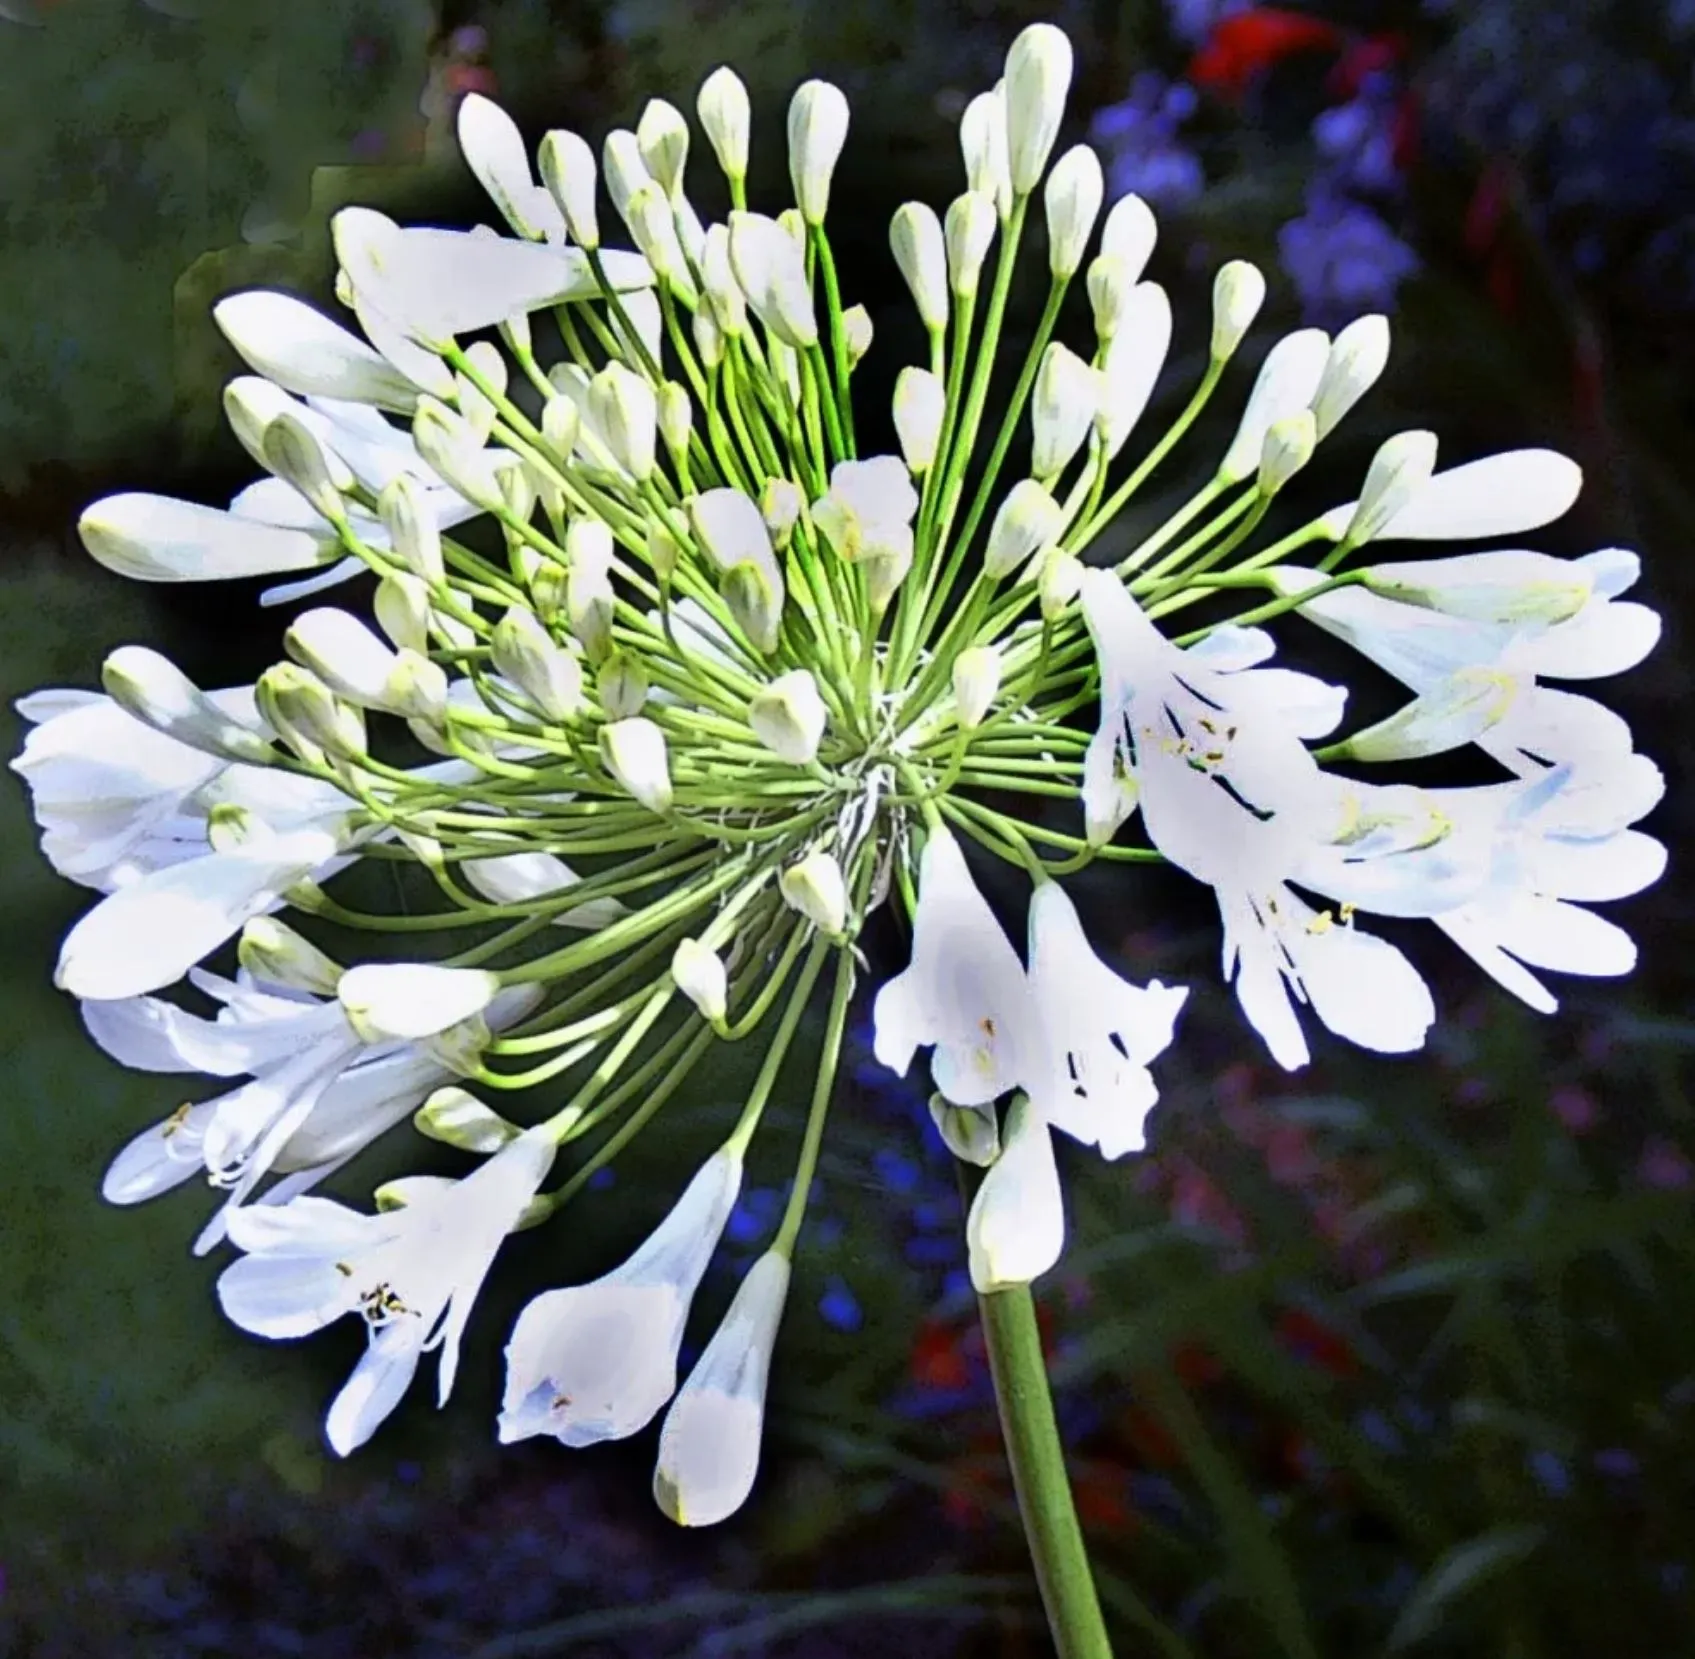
(982, 143)
(1133, 363)
(1238, 292)
(920, 404)
(915, 236)
(709, 1444)
(698, 972)
(494, 150)
(634, 753)
(568, 170)
(1073, 201)
(789, 716)
(725, 115)
(1016, 1228)
(869, 508)
(1064, 405)
(1358, 358)
(1024, 524)
(1500, 495)
(967, 233)
(304, 352)
(732, 531)
(384, 1000)
(354, 663)
(815, 886)
(964, 990)
(153, 538)
(818, 124)
(1501, 612)
(1130, 233)
(1101, 1032)
(597, 1361)
(771, 272)
(1288, 380)
(976, 683)
(413, 1274)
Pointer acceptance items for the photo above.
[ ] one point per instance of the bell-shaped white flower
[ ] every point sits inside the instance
(1038, 76)
(413, 1273)
(1288, 380)
(818, 124)
(869, 508)
(1133, 363)
(1016, 1227)
(726, 117)
(386, 1000)
(1072, 198)
(598, 1361)
(709, 1444)
(1102, 1032)
(153, 538)
(964, 990)
(304, 352)
(494, 150)
(1066, 400)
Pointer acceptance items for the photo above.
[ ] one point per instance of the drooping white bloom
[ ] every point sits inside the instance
(1229, 793)
(976, 682)
(494, 150)
(354, 663)
(1016, 1227)
(709, 1444)
(964, 990)
(869, 508)
(1430, 619)
(818, 124)
(1133, 363)
(413, 1273)
(732, 530)
(597, 1361)
(1102, 1032)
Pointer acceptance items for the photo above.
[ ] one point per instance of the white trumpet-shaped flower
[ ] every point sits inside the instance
(598, 1361)
(413, 1273)
(709, 1444)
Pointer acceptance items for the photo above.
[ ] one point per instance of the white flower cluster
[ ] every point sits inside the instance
(705, 686)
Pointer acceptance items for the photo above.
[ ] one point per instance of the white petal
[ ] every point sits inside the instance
(283, 1296)
(1603, 638)
(153, 538)
(382, 1376)
(1016, 1229)
(1496, 496)
(1133, 363)
(1592, 872)
(162, 1156)
(318, 1227)
(304, 351)
(1287, 383)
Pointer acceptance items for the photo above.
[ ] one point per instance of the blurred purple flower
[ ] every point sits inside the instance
(1357, 139)
(1342, 258)
(1193, 20)
(1138, 139)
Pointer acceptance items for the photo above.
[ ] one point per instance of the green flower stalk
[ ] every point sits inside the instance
(666, 687)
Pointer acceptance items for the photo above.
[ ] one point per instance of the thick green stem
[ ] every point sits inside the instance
(1038, 1475)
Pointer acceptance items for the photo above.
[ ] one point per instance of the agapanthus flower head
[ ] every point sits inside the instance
(713, 684)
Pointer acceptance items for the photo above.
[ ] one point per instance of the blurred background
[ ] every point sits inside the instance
(1381, 1358)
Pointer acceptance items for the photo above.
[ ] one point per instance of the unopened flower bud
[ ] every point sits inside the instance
(856, 331)
(1067, 397)
(457, 1118)
(1110, 286)
(626, 173)
(698, 972)
(1289, 444)
(976, 683)
(662, 551)
(771, 270)
(625, 409)
(970, 1133)
(568, 170)
(621, 684)
(653, 227)
(780, 502)
(885, 567)
(723, 287)
(1129, 234)
(589, 599)
(920, 402)
(294, 454)
(1399, 470)
(157, 693)
(384, 1001)
(1027, 521)
(1058, 582)
(708, 337)
(473, 403)
(815, 886)
(307, 714)
(633, 751)
(1357, 358)
(525, 653)
(818, 124)
(982, 143)
(272, 951)
(755, 603)
(915, 236)
(726, 118)
(1072, 198)
(561, 421)
(676, 421)
(449, 446)
(662, 137)
(413, 532)
(1038, 76)
(788, 717)
(355, 664)
(1237, 294)
(968, 232)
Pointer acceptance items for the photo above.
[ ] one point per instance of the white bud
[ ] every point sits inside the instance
(1453, 711)
(793, 225)
(970, 1133)
(402, 608)
(457, 1118)
(1286, 382)
(494, 150)
(479, 412)
(355, 664)
(1133, 362)
(708, 337)
(788, 717)
(292, 451)
(451, 449)
(589, 599)
(1066, 400)
(1399, 470)
(1289, 444)
(1237, 294)
(856, 330)
(982, 142)
(726, 118)
(885, 568)
(915, 236)
(1038, 76)
(633, 751)
(969, 230)
(1072, 197)
(729, 303)
(273, 951)
(1058, 581)
(1129, 234)
(818, 124)
(662, 551)
(976, 683)
(624, 407)
(920, 402)
(561, 421)
(308, 715)
(534, 661)
(698, 972)
(815, 886)
(780, 502)
(569, 172)
(772, 273)
(653, 227)
(731, 528)
(756, 603)
(156, 692)
(676, 421)
(662, 137)
(1027, 521)
(621, 685)
(1357, 358)
(1110, 288)
(785, 370)
(1016, 1227)
(384, 1001)
(626, 173)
